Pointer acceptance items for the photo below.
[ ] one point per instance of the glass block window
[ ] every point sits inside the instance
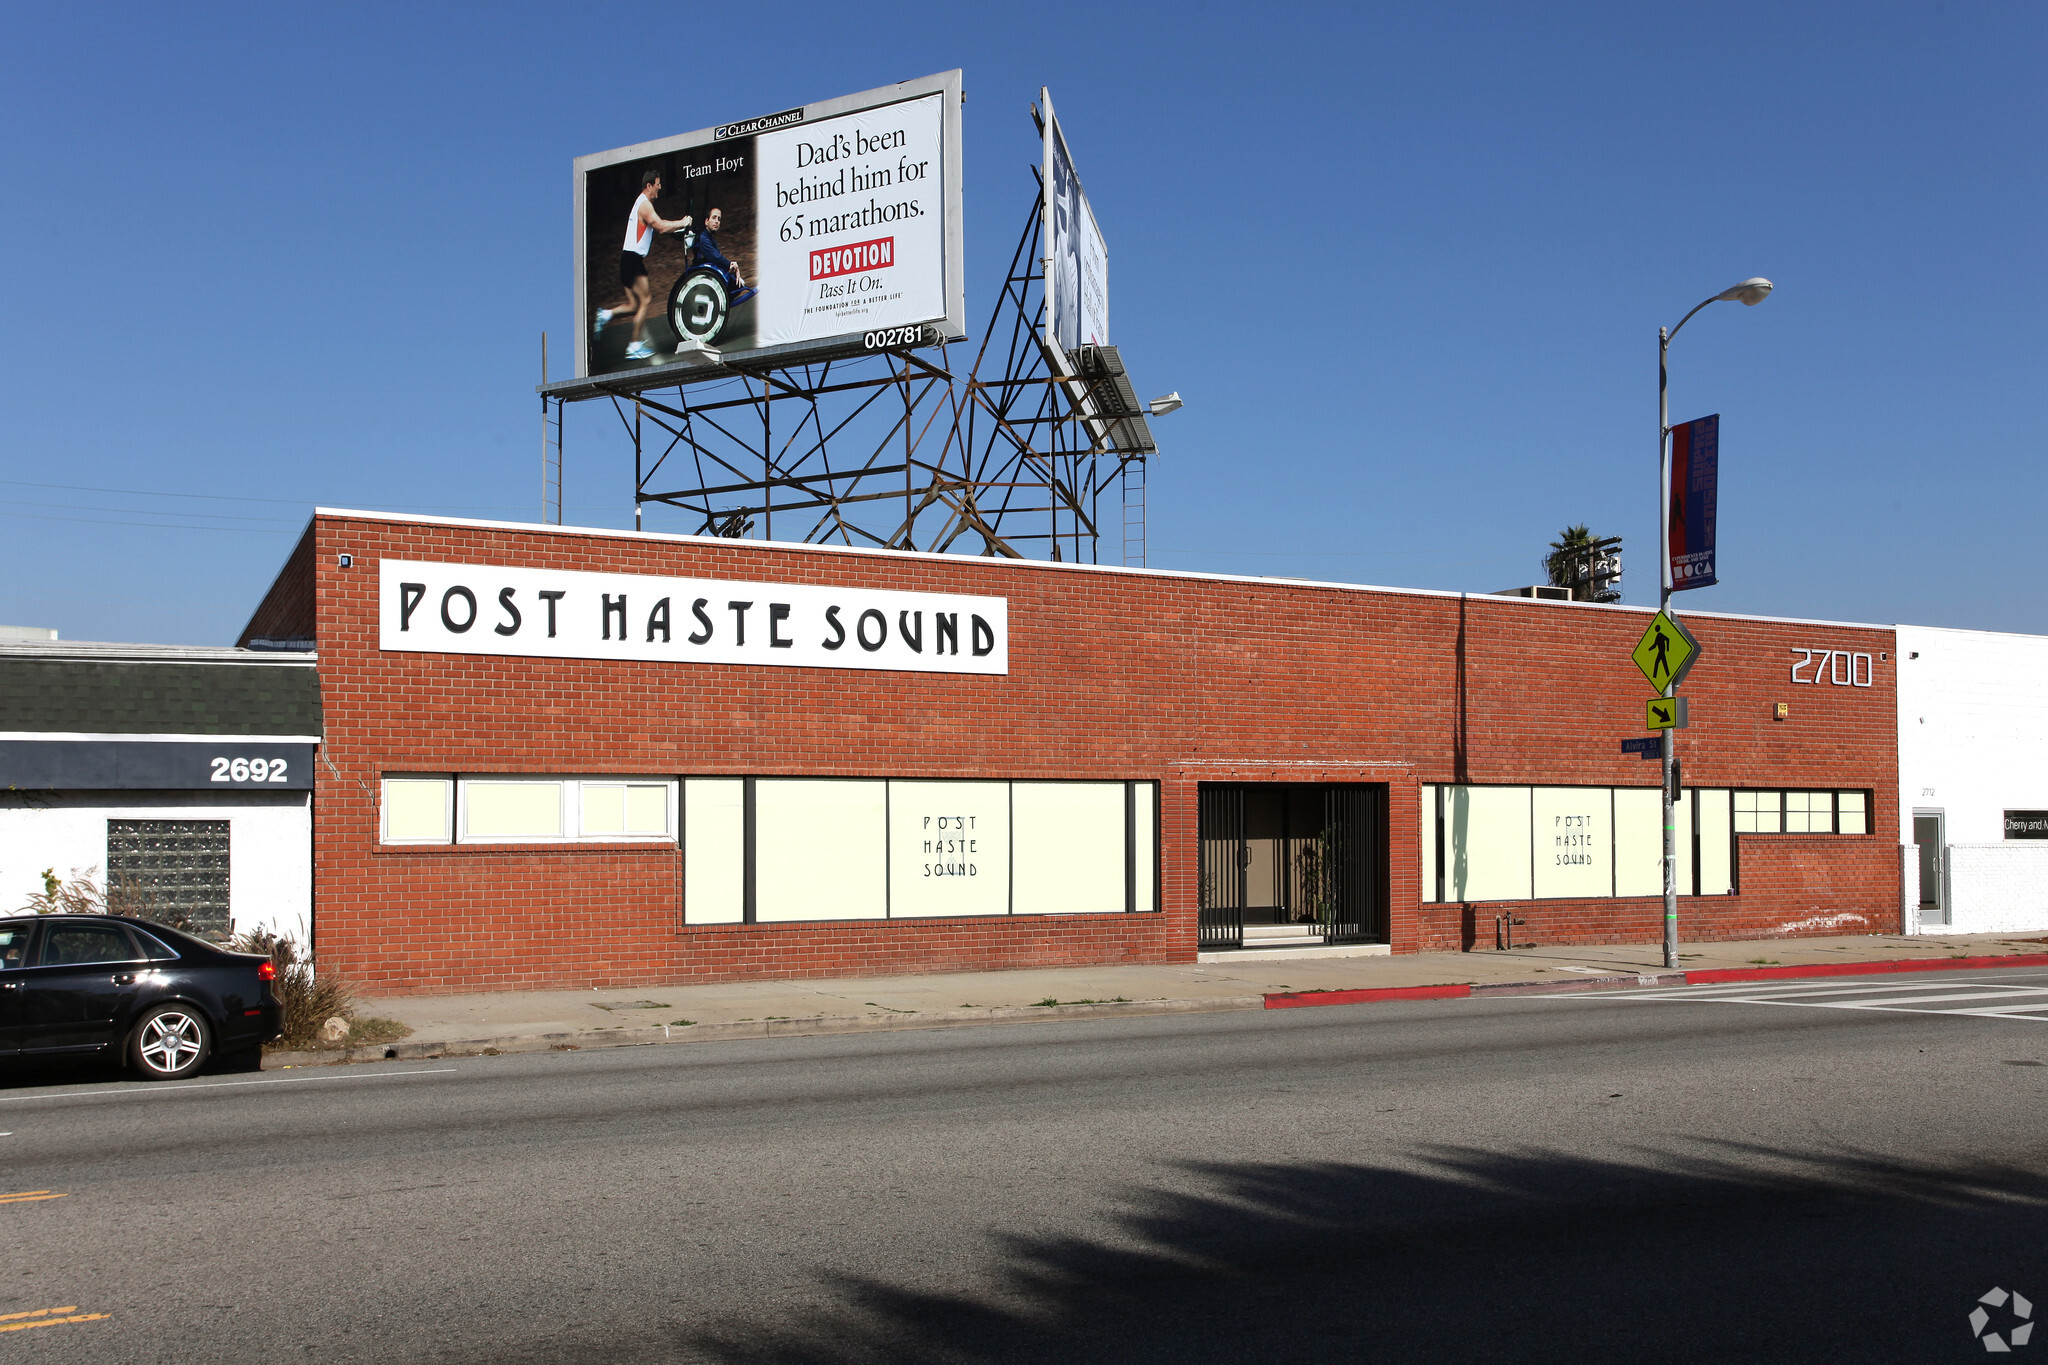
(177, 869)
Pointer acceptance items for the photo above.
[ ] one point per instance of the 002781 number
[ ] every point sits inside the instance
(250, 769)
(894, 336)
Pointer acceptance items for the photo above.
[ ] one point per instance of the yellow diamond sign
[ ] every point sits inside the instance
(1666, 652)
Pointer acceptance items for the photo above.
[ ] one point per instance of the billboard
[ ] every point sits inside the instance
(1695, 493)
(830, 228)
(1076, 260)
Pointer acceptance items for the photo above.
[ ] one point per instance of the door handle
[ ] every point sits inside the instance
(124, 978)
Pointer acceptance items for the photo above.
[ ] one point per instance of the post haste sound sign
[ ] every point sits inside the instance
(1695, 489)
(434, 608)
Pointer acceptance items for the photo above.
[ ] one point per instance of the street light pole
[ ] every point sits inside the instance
(1750, 292)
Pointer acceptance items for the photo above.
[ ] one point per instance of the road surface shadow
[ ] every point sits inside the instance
(1739, 1254)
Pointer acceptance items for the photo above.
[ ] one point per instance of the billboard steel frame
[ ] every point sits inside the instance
(831, 448)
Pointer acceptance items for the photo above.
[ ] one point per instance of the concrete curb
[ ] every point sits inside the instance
(1704, 976)
(576, 1039)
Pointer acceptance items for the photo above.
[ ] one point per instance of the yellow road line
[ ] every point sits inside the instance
(29, 1197)
(51, 1322)
(39, 1313)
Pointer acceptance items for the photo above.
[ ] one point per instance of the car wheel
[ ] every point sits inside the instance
(171, 1041)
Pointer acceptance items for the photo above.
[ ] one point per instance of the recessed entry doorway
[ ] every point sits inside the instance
(1292, 864)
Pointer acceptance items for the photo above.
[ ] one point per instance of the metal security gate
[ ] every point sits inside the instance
(1355, 835)
(1224, 856)
(1335, 878)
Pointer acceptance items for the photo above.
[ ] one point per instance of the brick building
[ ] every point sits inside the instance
(558, 756)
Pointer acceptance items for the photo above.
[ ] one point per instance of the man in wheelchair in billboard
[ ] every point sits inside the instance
(708, 289)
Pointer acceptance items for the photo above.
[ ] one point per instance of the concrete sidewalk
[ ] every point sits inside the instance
(526, 1021)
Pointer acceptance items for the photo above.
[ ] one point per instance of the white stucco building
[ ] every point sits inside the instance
(1973, 778)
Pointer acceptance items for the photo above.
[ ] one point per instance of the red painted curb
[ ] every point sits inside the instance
(1298, 1001)
(1710, 975)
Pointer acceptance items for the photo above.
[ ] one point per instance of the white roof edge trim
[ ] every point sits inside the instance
(671, 537)
(223, 740)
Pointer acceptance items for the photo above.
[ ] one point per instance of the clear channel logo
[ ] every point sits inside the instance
(2013, 1327)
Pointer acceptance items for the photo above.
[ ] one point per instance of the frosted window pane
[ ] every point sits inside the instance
(1574, 841)
(647, 809)
(416, 808)
(1851, 816)
(1487, 844)
(714, 834)
(1745, 803)
(820, 850)
(1429, 892)
(1639, 841)
(604, 810)
(1717, 876)
(512, 810)
(1144, 892)
(1069, 847)
(949, 849)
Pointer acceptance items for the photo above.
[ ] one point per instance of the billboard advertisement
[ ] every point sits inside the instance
(1695, 491)
(1076, 260)
(826, 229)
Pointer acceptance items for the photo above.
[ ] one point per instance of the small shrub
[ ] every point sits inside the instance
(308, 1001)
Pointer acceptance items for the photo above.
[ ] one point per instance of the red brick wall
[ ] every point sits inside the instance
(286, 612)
(1112, 675)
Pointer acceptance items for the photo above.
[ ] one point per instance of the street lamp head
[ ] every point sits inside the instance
(1751, 292)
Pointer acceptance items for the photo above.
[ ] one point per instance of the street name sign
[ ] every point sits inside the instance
(1645, 748)
(1666, 713)
(1667, 651)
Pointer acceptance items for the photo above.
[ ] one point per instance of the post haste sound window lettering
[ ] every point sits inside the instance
(765, 850)
(1570, 843)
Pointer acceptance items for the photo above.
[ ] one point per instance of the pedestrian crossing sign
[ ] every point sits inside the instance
(1667, 651)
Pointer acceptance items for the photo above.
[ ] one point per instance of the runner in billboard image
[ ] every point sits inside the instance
(641, 226)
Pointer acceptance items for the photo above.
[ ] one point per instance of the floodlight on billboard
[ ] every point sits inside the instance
(829, 229)
(1076, 260)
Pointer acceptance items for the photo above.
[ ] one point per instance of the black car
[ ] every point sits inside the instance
(109, 986)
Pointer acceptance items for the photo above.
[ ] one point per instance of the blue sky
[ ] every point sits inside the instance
(1406, 265)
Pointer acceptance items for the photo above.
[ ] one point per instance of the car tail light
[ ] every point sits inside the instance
(266, 970)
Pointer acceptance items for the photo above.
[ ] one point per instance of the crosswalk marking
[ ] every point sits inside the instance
(2020, 1003)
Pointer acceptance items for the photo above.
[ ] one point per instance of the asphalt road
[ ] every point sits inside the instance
(1646, 1176)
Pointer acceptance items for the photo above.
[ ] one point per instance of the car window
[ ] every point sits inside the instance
(77, 945)
(13, 943)
(152, 946)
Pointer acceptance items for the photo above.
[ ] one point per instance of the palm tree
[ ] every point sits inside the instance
(1567, 553)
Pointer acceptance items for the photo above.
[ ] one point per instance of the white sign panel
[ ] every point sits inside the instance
(850, 245)
(567, 614)
(1077, 260)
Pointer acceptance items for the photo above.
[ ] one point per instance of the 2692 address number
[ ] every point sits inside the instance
(250, 769)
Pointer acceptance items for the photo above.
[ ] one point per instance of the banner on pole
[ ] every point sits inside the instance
(1695, 489)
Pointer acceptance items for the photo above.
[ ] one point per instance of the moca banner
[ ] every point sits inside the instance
(566, 614)
(1695, 489)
